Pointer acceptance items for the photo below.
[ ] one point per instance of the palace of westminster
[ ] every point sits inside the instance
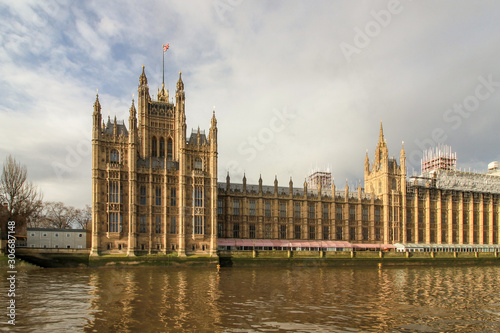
(154, 189)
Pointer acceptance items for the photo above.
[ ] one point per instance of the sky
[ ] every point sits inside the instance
(296, 85)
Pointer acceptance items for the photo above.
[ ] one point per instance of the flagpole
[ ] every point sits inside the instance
(163, 65)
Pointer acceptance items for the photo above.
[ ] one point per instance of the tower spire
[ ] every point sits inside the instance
(381, 136)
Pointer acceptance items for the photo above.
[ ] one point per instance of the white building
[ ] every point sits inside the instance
(58, 238)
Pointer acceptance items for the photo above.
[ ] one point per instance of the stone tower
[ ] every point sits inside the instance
(154, 189)
(386, 179)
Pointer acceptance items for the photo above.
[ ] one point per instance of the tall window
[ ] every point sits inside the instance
(377, 214)
(283, 231)
(296, 212)
(236, 230)
(114, 156)
(198, 164)
(326, 214)
(365, 234)
(267, 231)
(267, 208)
(115, 222)
(338, 233)
(251, 210)
(198, 225)
(142, 224)
(158, 225)
(409, 216)
(377, 234)
(198, 197)
(220, 230)
(365, 214)
(296, 234)
(169, 148)
(312, 232)
(236, 207)
(282, 209)
(352, 213)
(339, 213)
(173, 197)
(433, 218)
(251, 230)
(173, 225)
(409, 237)
(158, 196)
(114, 190)
(162, 147)
(142, 195)
(220, 206)
(312, 211)
(352, 233)
(326, 232)
(154, 148)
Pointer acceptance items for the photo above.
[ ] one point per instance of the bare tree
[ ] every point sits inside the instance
(58, 215)
(21, 199)
(83, 218)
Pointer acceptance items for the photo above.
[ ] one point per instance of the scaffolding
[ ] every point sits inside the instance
(317, 177)
(439, 158)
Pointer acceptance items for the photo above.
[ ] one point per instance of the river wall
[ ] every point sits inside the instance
(57, 258)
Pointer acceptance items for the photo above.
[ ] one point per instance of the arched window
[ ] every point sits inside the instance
(198, 164)
(169, 148)
(394, 184)
(154, 151)
(162, 147)
(114, 156)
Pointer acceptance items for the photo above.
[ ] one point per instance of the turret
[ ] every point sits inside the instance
(143, 105)
(333, 188)
(97, 118)
(115, 128)
(290, 187)
(180, 114)
(132, 123)
(402, 158)
(213, 130)
(228, 182)
(305, 188)
(244, 183)
(260, 183)
(367, 163)
(276, 184)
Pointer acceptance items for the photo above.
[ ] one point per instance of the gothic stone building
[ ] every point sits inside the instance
(390, 209)
(153, 188)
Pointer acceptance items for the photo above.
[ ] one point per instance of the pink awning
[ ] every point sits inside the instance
(373, 246)
(294, 243)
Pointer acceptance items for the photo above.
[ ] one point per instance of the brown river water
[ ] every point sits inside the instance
(300, 299)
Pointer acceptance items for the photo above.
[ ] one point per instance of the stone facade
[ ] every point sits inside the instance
(390, 209)
(154, 189)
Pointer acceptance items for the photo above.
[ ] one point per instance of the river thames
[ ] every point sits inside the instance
(301, 299)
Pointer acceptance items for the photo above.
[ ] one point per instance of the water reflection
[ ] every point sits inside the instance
(306, 299)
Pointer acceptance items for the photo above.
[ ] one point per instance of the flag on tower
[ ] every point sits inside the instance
(165, 47)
